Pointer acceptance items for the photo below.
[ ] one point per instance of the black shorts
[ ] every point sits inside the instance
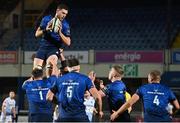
(40, 118)
(44, 53)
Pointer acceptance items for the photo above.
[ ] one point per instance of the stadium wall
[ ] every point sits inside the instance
(34, 5)
(134, 70)
(9, 70)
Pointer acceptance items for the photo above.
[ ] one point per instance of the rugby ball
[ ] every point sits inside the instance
(56, 24)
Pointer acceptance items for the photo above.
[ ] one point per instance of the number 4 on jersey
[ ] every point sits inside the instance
(156, 100)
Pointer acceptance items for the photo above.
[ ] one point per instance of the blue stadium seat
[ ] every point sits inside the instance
(114, 29)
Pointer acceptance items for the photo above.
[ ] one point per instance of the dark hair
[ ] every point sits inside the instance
(63, 71)
(36, 73)
(97, 83)
(62, 6)
(11, 91)
(118, 69)
(73, 62)
(155, 75)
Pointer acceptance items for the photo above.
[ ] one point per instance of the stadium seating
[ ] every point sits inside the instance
(8, 5)
(114, 29)
(127, 28)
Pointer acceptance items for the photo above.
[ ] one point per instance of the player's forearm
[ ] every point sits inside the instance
(66, 40)
(62, 58)
(101, 93)
(128, 104)
(123, 108)
(49, 96)
(99, 103)
(176, 104)
(177, 107)
(3, 110)
(39, 33)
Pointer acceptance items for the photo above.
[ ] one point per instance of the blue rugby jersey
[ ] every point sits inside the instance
(115, 92)
(36, 91)
(155, 99)
(52, 39)
(71, 88)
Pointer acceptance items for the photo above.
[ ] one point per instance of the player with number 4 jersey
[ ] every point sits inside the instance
(40, 110)
(156, 98)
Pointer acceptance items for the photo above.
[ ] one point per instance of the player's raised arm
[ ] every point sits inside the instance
(40, 31)
(64, 64)
(65, 32)
(24, 85)
(66, 40)
(103, 90)
(49, 95)
(92, 76)
(95, 93)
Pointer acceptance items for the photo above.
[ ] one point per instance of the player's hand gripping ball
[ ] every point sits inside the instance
(56, 25)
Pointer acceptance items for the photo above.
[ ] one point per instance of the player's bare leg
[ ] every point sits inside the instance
(37, 62)
(52, 59)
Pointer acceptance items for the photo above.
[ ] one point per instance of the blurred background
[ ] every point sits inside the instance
(140, 35)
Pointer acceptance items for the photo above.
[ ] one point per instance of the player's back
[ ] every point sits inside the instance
(156, 98)
(71, 88)
(36, 93)
(116, 97)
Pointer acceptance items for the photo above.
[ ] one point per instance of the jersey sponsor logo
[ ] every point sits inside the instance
(40, 89)
(70, 82)
(155, 92)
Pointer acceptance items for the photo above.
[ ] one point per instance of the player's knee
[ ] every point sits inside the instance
(37, 62)
(37, 66)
